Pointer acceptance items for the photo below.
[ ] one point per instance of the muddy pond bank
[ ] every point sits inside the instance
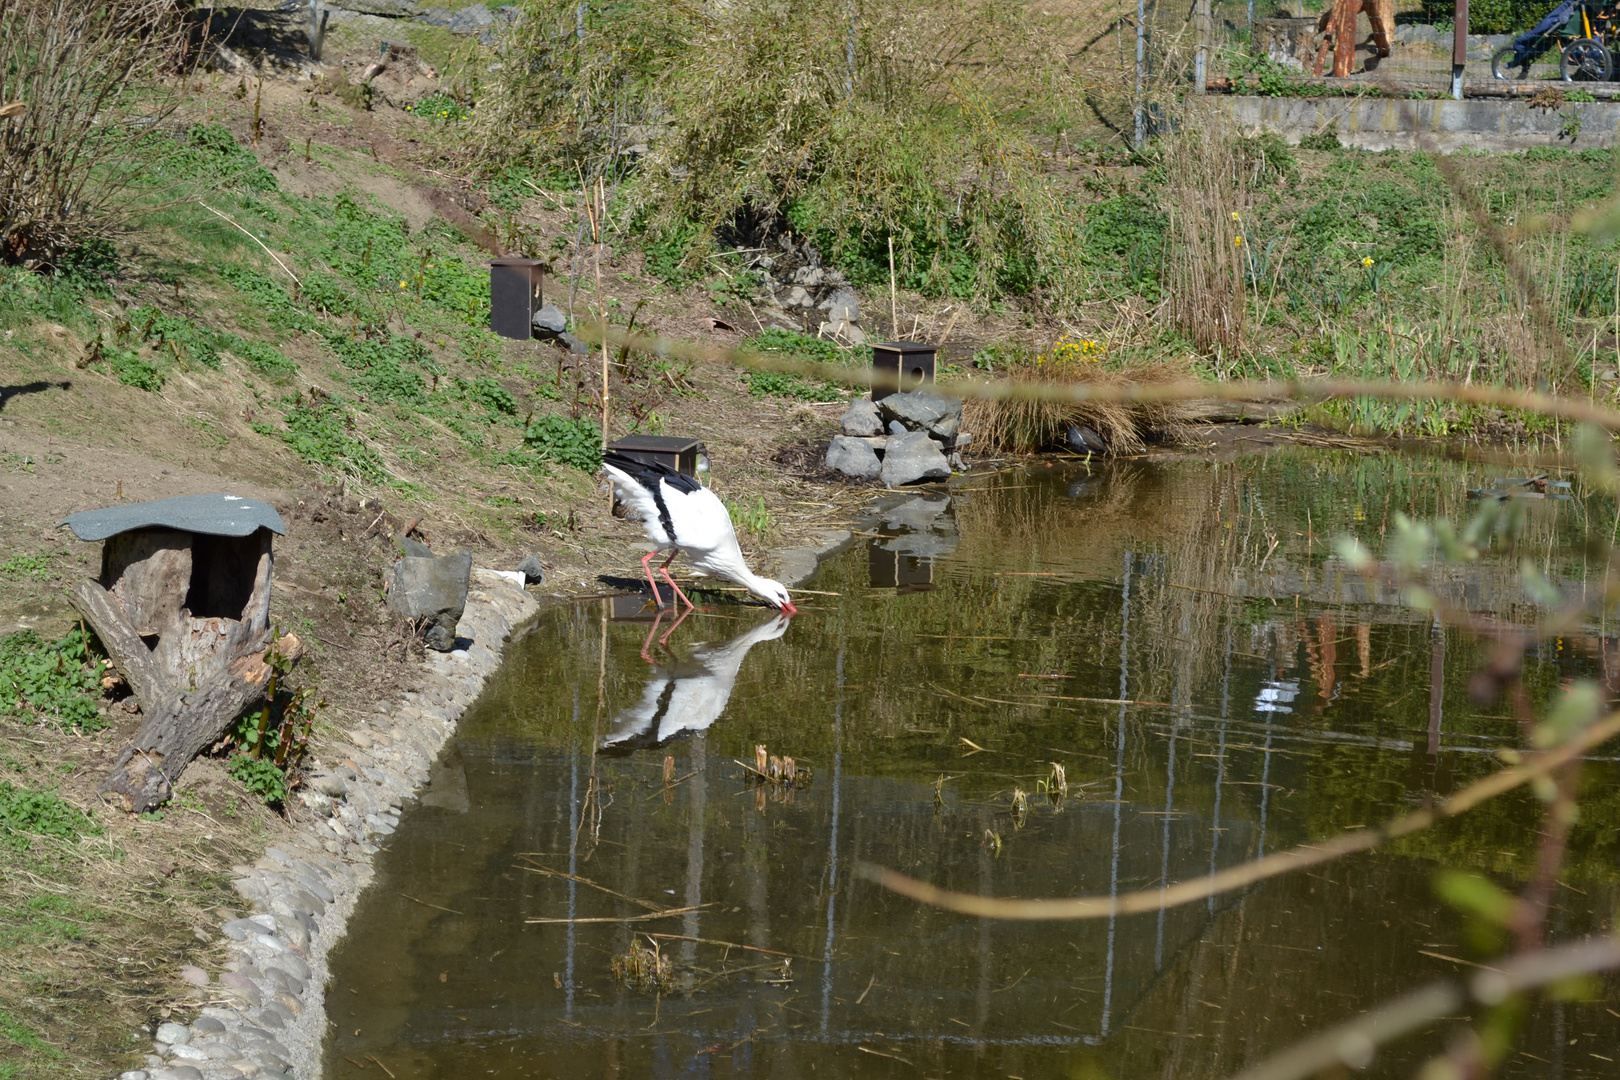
(606, 890)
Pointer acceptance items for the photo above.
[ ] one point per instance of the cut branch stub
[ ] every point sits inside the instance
(178, 728)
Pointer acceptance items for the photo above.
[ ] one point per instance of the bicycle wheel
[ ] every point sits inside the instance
(1586, 60)
(1502, 65)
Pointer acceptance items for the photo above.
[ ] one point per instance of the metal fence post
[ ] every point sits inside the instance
(1201, 60)
(1141, 64)
(1459, 48)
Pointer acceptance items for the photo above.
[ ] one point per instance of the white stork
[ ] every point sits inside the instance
(682, 516)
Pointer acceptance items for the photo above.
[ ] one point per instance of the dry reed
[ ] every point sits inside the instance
(1027, 424)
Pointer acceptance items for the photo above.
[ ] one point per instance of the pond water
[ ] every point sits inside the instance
(1177, 634)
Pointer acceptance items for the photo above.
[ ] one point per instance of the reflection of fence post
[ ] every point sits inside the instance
(1141, 64)
(1459, 48)
(1201, 61)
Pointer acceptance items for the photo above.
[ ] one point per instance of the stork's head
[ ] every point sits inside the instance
(773, 593)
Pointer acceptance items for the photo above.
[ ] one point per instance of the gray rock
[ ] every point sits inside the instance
(913, 458)
(135, 1074)
(798, 297)
(862, 419)
(329, 784)
(550, 319)
(470, 20)
(414, 548)
(185, 1072)
(434, 590)
(853, 457)
(533, 573)
(843, 306)
(919, 410)
(173, 1034)
(896, 428)
(206, 1025)
(239, 929)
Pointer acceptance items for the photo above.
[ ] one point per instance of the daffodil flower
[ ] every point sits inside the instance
(1238, 240)
(1367, 260)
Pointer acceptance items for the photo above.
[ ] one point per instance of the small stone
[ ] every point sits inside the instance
(206, 1025)
(295, 965)
(153, 1062)
(920, 410)
(532, 571)
(913, 458)
(185, 1072)
(861, 419)
(174, 1034)
(135, 1074)
(843, 306)
(853, 457)
(414, 548)
(550, 320)
(186, 1052)
(194, 975)
(276, 1016)
(242, 986)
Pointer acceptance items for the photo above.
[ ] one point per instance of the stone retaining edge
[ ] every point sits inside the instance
(267, 1019)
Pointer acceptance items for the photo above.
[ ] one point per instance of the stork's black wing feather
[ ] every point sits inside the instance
(649, 474)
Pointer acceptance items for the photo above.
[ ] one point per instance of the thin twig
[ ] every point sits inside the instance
(255, 239)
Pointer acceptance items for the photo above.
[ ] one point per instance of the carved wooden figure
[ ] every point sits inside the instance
(183, 608)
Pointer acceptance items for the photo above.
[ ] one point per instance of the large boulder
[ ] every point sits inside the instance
(433, 590)
(853, 457)
(918, 410)
(861, 419)
(913, 458)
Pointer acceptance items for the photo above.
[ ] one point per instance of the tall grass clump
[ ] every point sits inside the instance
(80, 83)
(917, 122)
(1025, 424)
(1204, 264)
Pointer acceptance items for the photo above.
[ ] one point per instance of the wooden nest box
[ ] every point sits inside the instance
(182, 607)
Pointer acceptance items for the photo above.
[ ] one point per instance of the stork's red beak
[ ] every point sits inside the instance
(787, 606)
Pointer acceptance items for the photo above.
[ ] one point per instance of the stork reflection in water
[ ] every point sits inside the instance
(687, 695)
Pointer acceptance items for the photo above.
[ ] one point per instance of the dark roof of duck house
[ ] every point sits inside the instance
(211, 515)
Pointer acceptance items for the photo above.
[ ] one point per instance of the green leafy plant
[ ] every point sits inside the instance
(794, 345)
(37, 567)
(25, 813)
(752, 516)
(319, 430)
(57, 681)
(261, 778)
(575, 443)
(440, 106)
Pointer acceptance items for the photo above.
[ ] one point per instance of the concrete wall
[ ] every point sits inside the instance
(1445, 126)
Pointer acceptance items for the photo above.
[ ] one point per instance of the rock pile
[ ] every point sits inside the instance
(900, 440)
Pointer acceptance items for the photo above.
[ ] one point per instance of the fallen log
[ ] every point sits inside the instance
(123, 643)
(180, 726)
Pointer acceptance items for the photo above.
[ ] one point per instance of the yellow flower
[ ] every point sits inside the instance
(1235, 216)
(402, 284)
(1238, 240)
(1366, 260)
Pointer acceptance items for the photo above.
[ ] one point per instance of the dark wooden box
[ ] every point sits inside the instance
(911, 363)
(514, 296)
(680, 454)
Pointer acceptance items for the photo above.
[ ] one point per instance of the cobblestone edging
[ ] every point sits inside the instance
(267, 1019)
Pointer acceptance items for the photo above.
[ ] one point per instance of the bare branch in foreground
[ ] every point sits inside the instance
(1353, 1043)
(1237, 877)
(1304, 390)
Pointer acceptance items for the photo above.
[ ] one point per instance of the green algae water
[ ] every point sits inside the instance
(1177, 635)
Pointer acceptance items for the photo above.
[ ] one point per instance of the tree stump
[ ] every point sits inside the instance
(182, 607)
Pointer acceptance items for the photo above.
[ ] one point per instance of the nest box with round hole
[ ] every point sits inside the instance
(514, 296)
(903, 364)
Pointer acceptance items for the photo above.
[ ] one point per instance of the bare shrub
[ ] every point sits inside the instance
(86, 78)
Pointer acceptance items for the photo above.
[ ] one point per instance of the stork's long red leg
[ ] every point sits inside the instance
(645, 645)
(658, 598)
(673, 627)
(677, 588)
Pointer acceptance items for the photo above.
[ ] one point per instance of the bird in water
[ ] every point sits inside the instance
(683, 517)
(686, 696)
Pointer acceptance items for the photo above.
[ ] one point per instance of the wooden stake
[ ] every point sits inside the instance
(894, 300)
